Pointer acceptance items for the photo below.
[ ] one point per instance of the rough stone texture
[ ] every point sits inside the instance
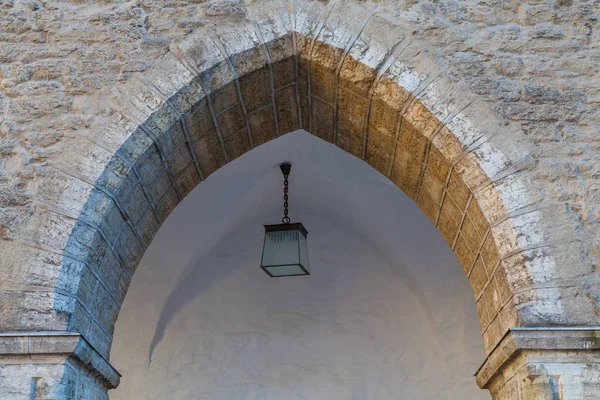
(485, 113)
(53, 365)
(544, 363)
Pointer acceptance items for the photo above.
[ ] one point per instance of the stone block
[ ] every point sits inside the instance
(136, 204)
(129, 249)
(209, 154)
(110, 270)
(106, 308)
(113, 175)
(200, 54)
(287, 110)
(482, 313)
(100, 340)
(199, 121)
(242, 45)
(471, 235)
(237, 144)
(428, 205)
(412, 140)
(262, 125)
(357, 76)
(112, 224)
(464, 254)
(169, 75)
(135, 146)
(406, 171)
(432, 187)
(351, 118)
(489, 254)
(150, 166)
(449, 220)
(305, 115)
(225, 97)
(478, 278)
(472, 175)
(322, 120)
(231, 121)
(323, 83)
(189, 95)
(187, 180)
(284, 72)
(96, 207)
(147, 226)
(157, 189)
(384, 118)
(86, 287)
(458, 191)
(255, 87)
(217, 76)
(179, 159)
(448, 145)
(380, 148)
(171, 139)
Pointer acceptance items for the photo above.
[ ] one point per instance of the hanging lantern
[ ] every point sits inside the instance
(285, 249)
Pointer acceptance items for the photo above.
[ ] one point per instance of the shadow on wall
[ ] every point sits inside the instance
(200, 273)
(333, 193)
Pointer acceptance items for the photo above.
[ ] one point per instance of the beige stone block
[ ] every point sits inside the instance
(323, 82)
(357, 76)
(390, 92)
(449, 221)
(478, 278)
(380, 148)
(489, 254)
(482, 313)
(187, 180)
(432, 186)
(284, 72)
(322, 120)
(448, 145)
(458, 191)
(491, 296)
(464, 254)
(287, 110)
(237, 144)
(421, 119)
(217, 76)
(352, 113)
(256, 89)
(231, 121)
(262, 125)
(470, 234)
(406, 171)
(472, 175)
(224, 97)
(412, 140)
(384, 118)
(428, 205)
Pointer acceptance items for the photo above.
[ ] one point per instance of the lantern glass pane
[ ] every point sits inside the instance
(281, 248)
(285, 270)
(285, 251)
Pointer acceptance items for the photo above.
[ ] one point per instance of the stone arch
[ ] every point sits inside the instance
(235, 84)
(225, 90)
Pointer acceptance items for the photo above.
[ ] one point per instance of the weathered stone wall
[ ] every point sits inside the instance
(125, 107)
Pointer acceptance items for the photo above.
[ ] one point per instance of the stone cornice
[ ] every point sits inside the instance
(517, 340)
(59, 343)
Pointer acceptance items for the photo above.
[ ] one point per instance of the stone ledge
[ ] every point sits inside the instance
(64, 343)
(516, 340)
